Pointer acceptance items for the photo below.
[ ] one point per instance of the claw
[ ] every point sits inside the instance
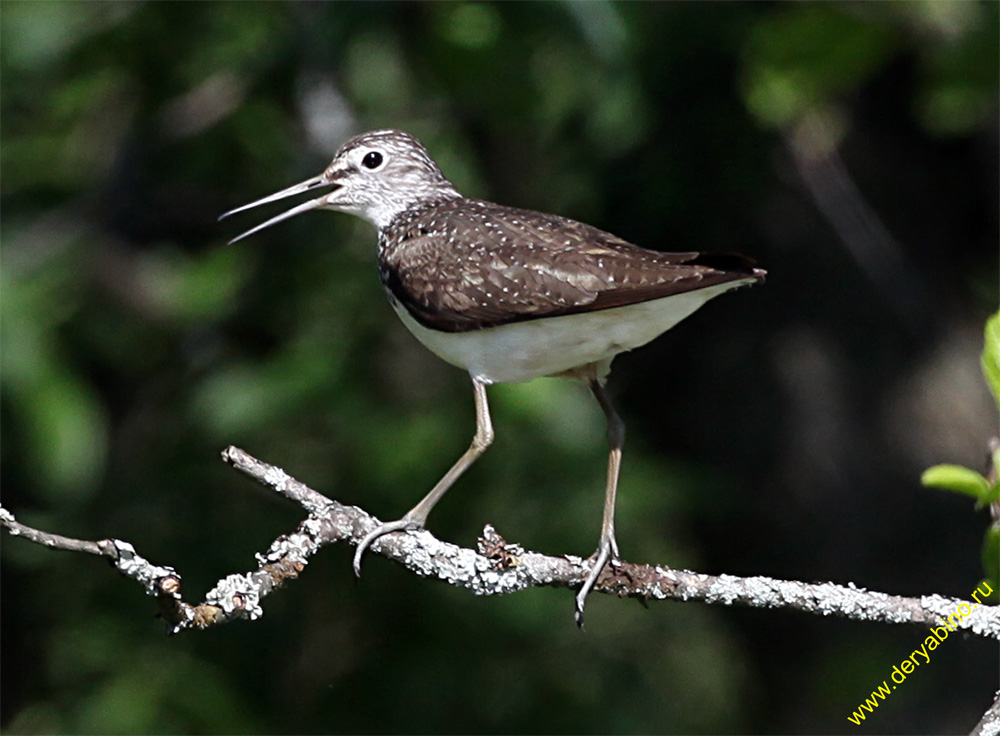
(607, 550)
(380, 531)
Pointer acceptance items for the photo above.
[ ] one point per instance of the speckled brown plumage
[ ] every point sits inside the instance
(463, 264)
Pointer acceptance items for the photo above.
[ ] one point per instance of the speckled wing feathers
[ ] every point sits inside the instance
(461, 264)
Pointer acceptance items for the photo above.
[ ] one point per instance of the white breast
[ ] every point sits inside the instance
(543, 347)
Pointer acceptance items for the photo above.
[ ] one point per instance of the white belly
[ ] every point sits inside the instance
(542, 347)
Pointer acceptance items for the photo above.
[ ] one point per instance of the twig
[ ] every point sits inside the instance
(989, 724)
(496, 568)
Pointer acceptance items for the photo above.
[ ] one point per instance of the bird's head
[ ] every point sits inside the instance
(375, 175)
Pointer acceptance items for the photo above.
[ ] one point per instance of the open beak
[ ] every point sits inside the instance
(307, 186)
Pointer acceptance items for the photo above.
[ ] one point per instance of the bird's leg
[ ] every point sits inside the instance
(416, 517)
(607, 548)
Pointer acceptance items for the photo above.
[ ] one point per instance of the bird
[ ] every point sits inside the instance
(507, 294)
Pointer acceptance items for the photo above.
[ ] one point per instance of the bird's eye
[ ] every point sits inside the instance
(372, 160)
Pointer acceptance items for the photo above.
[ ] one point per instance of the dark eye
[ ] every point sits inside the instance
(372, 160)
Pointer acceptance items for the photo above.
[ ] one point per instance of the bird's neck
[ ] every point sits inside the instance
(395, 227)
(383, 216)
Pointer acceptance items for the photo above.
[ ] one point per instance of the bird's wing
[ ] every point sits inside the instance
(465, 265)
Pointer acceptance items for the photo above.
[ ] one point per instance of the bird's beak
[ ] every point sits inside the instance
(306, 186)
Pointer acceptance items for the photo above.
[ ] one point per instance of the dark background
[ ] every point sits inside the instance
(850, 148)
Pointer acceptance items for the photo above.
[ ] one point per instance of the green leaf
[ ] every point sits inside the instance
(958, 479)
(991, 356)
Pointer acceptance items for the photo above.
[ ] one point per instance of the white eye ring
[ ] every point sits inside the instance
(373, 160)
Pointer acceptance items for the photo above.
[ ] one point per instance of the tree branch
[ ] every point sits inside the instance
(989, 724)
(496, 568)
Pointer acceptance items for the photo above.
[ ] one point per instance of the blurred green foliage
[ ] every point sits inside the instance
(960, 479)
(136, 345)
(990, 360)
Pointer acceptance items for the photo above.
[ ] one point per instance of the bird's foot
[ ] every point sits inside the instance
(399, 525)
(607, 551)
